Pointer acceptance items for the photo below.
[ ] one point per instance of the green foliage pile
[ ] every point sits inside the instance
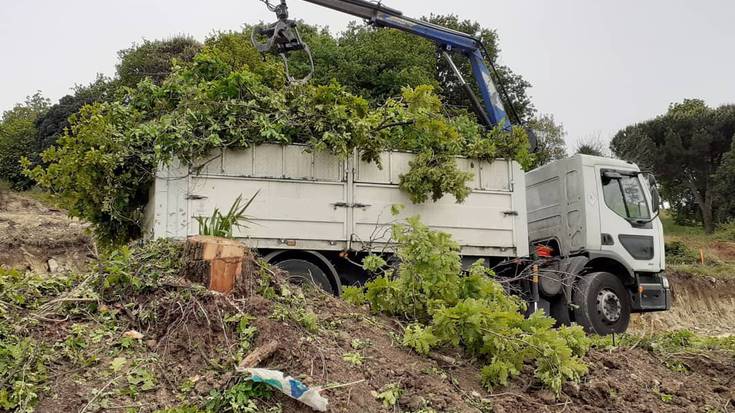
(472, 311)
(18, 139)
(104, 166)
(683, 340)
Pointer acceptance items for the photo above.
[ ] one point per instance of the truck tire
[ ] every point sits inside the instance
(602, 304)
(303, 272)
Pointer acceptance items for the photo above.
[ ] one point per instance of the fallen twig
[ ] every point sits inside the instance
(440, 357)
(258, 355)
(337, 386)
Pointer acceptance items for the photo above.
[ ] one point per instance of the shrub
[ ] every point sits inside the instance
(472, 311)
(726, 232)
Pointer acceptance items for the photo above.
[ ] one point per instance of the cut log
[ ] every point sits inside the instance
(217, 263)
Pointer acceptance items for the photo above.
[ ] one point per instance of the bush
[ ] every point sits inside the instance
(472, 311)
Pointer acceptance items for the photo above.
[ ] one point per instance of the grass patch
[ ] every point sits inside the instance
(721, 271)
(687, 245)
(669, 342)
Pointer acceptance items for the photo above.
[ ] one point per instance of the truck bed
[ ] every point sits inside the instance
(316, 201)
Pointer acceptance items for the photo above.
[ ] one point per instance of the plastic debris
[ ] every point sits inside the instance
(290, 387)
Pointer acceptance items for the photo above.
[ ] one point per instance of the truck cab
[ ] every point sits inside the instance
(596, 221)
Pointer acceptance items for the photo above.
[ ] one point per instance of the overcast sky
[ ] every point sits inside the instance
(596, 66)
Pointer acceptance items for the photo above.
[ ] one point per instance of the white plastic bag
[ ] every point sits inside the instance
(291, 387)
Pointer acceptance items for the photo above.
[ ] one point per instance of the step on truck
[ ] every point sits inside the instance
(580, 237)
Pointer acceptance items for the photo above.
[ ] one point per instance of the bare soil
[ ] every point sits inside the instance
(32, 233)
(705, 305)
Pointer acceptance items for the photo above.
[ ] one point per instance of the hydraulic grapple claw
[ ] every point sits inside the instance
(282, 38)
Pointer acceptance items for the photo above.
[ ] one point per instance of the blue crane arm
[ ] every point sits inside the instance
(449, 40)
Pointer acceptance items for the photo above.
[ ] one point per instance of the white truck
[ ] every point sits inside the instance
(587, 224)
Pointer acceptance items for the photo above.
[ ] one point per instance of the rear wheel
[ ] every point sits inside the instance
(303, 272)
(602, 303)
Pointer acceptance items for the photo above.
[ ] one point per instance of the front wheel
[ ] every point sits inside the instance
(602, 304)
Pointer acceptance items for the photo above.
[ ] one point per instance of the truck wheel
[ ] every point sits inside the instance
(303, 272)
(602, 303)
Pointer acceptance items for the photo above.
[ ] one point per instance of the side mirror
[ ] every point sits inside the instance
(655, 196)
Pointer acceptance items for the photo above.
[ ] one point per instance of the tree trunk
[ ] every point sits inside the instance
(707, 214)
(705, 207)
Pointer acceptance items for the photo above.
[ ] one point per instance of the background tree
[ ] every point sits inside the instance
(591, 145)
(18, 139)
(377, 63)
(52, 124)
(516, 102)
(551, 144)
(154, 59)
(724, 187)
(684, 148)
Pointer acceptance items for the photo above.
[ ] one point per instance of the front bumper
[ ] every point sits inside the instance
(652, 293)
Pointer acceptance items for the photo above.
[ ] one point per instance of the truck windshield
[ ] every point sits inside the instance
(624, 195)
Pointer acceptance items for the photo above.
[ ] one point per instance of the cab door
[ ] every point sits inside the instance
(628, 226)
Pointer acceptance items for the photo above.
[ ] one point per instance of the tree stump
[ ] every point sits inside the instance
(217, 263)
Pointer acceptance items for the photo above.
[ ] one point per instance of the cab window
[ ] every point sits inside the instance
(624, 195)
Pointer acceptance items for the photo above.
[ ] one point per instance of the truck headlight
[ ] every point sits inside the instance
(664, 281)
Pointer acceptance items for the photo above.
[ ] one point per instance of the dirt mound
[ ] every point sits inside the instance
(705, 305)
(193, 342)
(189, 342)
(32, 233)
